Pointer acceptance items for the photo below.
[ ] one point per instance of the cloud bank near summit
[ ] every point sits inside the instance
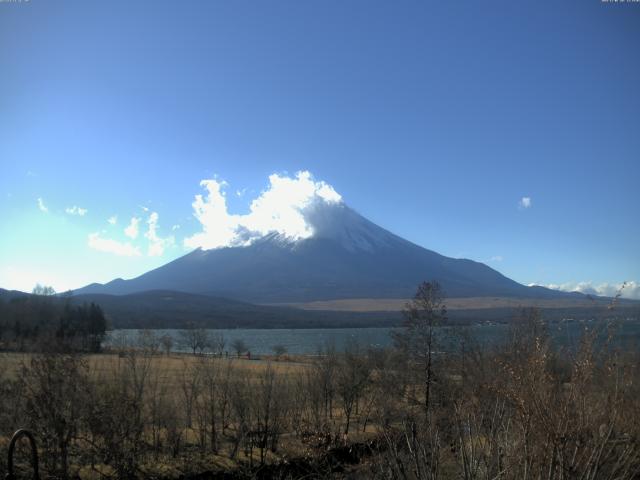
(283, 208)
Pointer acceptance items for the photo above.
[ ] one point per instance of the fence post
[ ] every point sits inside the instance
(34, 454)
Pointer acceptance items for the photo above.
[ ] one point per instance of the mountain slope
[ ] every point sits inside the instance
(347, 257)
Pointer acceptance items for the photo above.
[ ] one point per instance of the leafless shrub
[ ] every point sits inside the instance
(166, 341)
(353, 375)
(270, 408)
(148, 342)
(538, 421)
(115, 417)
(195, 339)
(54, 389)
(190, 387)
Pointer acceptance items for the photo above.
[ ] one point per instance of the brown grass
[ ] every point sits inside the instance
(169, 368)
(469, 303)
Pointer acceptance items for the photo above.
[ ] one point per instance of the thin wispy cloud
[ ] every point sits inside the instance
(157, 244)
(282, 208)
(112, 220)
(496, 258)
(75, 210)
(42, 206)
(133, 229)
(525, 202)
(108, 245)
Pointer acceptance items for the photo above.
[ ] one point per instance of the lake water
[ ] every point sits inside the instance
(296, 341)
(308, 341)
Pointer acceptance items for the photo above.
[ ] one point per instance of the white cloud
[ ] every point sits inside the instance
(75, 210)
(175, 227)
(156, 246)
(496, 258)
(113, 219)
(525, 202)
(283, 208)
(42, 206)
(132, 230)
(112, 246)
(630, 289)
(156, 243)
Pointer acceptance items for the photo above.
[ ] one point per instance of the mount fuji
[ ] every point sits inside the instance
(346, 256)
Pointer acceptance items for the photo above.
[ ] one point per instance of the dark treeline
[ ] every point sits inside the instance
(43, 321)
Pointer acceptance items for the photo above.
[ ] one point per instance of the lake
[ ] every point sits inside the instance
(308, 341)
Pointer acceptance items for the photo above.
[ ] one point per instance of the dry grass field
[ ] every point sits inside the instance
(168, 368)
(469, 303)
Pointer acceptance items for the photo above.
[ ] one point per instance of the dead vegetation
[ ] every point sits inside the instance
(526, 409)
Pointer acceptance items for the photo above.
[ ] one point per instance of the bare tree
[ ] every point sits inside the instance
(43, 290)
(351, 380)
(195, 339)
(418, 338)
(120, 341)
(166, 341)
(240, 402)
(217, 343)
(54, 386)
(148, 341)
(269, 410)
(116, 416)
(207, 402)
(190, 386)
(239, 346)
(279, 350)
(326, 367)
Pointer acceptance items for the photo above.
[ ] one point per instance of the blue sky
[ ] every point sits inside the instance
(433, 119)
